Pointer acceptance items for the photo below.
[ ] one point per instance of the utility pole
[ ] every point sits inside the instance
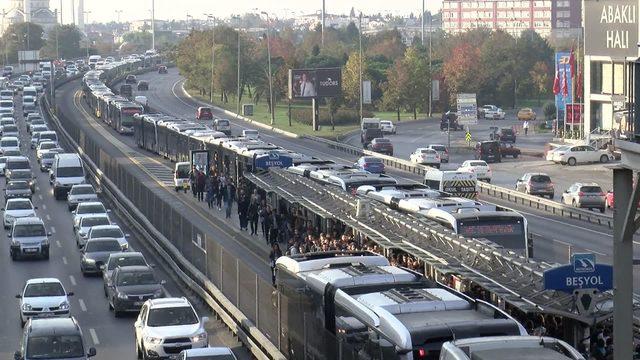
(6, 56)
(430, 72)
(422, 17)
(118, 12)
(272, 105)
(57, 39)
(153, 24)
(60, 12)
(73, 11)
(322, 31)
(213, 54)
(238, 80)
(360, 64)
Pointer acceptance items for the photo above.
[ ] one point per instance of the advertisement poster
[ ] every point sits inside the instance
(564, 97)
(467, 109)
(200, 158)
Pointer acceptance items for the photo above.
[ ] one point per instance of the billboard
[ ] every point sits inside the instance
(563, 68)
(366, 92)
(611, 28)
(272, 159)
(467, 109)
(314, 83)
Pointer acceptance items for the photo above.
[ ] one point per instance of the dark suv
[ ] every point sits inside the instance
(382, 145)
(367, 135)
(54, 338)
(536, 184)
(450, 120)
(143, 85)
(503, 134)
(130, 79)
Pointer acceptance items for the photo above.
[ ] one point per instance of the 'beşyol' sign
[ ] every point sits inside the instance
(582, 273)
(611, 27)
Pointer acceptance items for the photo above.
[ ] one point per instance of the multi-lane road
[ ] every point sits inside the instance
(554, 237)
(112, 337)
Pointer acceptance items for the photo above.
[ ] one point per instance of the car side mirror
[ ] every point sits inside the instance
(163, 282)
(205, 319)
(18, 296)
(70, 293)
(49, 233)
(35, 207)
(127, 235)
(92, 352)
(103, 267)
(108, 210)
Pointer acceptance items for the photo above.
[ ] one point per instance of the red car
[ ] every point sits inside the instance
(381, 145)
(609, 199)
(204, 113)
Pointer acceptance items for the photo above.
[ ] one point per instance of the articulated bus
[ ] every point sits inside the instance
(354, 305)
(121, 115)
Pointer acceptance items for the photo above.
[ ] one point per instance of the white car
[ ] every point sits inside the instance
(478, 167)
(581, 154)
(425, 156)
(221, 353)
(109, 231)
(142, 100)
(550, 153)
(9, 131)
(387, 127)
(88, 208)
(250, 134)
(493, 112)
(80, 193)
(44, 147)
(29, 101)
(85, 224)
(6, 107)
(15, 209)
(9, 143)
(169, 320)
(43, 298)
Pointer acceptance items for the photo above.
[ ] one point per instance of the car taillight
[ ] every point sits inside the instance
(422, 353)
(580, 193)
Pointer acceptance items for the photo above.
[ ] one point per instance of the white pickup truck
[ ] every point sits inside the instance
(492, 112)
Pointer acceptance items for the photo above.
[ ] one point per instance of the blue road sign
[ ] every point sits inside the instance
(272, 159)
(582, 273)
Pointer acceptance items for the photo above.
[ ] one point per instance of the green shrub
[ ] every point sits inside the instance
(549, 110)
(341, 117)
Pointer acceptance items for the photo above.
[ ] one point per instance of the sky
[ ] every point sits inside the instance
(105, 10)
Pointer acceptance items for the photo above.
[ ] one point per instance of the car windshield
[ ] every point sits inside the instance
(427, 151)
(29, 230)
(223, 122)
(71, 171)
(591, 189)
(94, 221)
(90, 209)
(108, 232)
(49, 155)
(478, 163)
(507, 131)
(47, 145)
(127, 261)
(44, 289)
(540, 178)
(54, 347)
(8, 143)
(438, 147)
(18, 185)
(51, 137)
(19, 205)
(182, 315)
(21, 174)
(136, 278)
(18, 164)
(212, 357)
(82, 190)
(102, 245)
(382, 141)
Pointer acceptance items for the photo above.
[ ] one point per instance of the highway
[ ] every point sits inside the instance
(553, 236)
(112, 337)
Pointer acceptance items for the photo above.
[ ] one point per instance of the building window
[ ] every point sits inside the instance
(596, 77)
(563, 4)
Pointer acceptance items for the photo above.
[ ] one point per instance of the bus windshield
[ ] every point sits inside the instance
(508, 232)
(127, 115)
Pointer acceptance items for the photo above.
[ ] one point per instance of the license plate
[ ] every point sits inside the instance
(32, 250)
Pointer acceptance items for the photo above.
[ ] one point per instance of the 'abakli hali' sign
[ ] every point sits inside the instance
(611, 27)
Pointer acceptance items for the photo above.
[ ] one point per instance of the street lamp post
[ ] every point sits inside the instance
(118, 12)
(272, 105)
(86, 14)
(360, 63)
(153, 25)
(422, 17)
(430, 72)
(238, 80)
(213, 53)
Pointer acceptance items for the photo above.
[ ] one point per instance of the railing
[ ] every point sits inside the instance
(259, 345)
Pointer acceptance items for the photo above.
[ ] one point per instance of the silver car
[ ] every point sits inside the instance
(80, 193)
(43, 297)
(85, 225)
(442, 151)
(588, 195)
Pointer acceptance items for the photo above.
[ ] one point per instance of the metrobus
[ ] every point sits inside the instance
(121, 115)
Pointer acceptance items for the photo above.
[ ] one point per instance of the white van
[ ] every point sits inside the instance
(6, 94)
(506, 347)
(66, 171)
(457, 183)
(181, 176)
(93, 60)
(222, 125)
(370, 123)
(30, 91)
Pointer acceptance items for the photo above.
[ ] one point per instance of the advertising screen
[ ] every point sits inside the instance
(302, 84)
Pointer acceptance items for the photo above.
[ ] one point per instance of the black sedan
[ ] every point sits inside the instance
(130, 286)
(96, 253)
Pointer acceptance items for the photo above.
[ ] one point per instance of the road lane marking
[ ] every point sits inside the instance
(166, 292)
(94, 336)
(40, 197)
(44, 207)
(73, 280)
(53, 230)
(48, 217)
(64, 260)
(83, 307)
(58, 244)
(597, 252)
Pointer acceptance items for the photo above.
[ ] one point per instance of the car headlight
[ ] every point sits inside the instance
(57, 183)
(10, 217)
(45, 242)
(15, 243)
(157, 293)
(26, 307)
(125, 246)
(64, 306)
(89, 261)
(122, 296)
(153, 340)
(82, 234)
(199, 337)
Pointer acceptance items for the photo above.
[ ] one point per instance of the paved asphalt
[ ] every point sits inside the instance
(554, 237)
(112, 337)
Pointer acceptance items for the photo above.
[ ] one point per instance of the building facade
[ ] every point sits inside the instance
(35, 11)
(566, 20)
(513, 16)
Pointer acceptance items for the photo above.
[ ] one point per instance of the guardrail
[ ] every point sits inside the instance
(546, 205)
(259, 345)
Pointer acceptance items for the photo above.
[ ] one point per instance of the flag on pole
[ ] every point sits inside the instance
(572, 63)
(579, 85)
(565, 84)
(556, 83)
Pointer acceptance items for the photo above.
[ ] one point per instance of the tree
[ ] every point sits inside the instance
(463, 71)
(63, 40)
(541, 78)
(22, 36)
(140, 39)
(351, 79)
(419, 84)
(394, 88)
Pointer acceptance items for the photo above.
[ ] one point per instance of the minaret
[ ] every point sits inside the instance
(81, 15)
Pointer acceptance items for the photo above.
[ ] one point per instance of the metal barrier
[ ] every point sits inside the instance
(235, 291)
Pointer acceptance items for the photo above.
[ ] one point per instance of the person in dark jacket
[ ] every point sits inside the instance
(192, 179)
(243, 207)
(273, 256)
(252, 213)
(200, 183)
(229, 199)
(209, 191)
